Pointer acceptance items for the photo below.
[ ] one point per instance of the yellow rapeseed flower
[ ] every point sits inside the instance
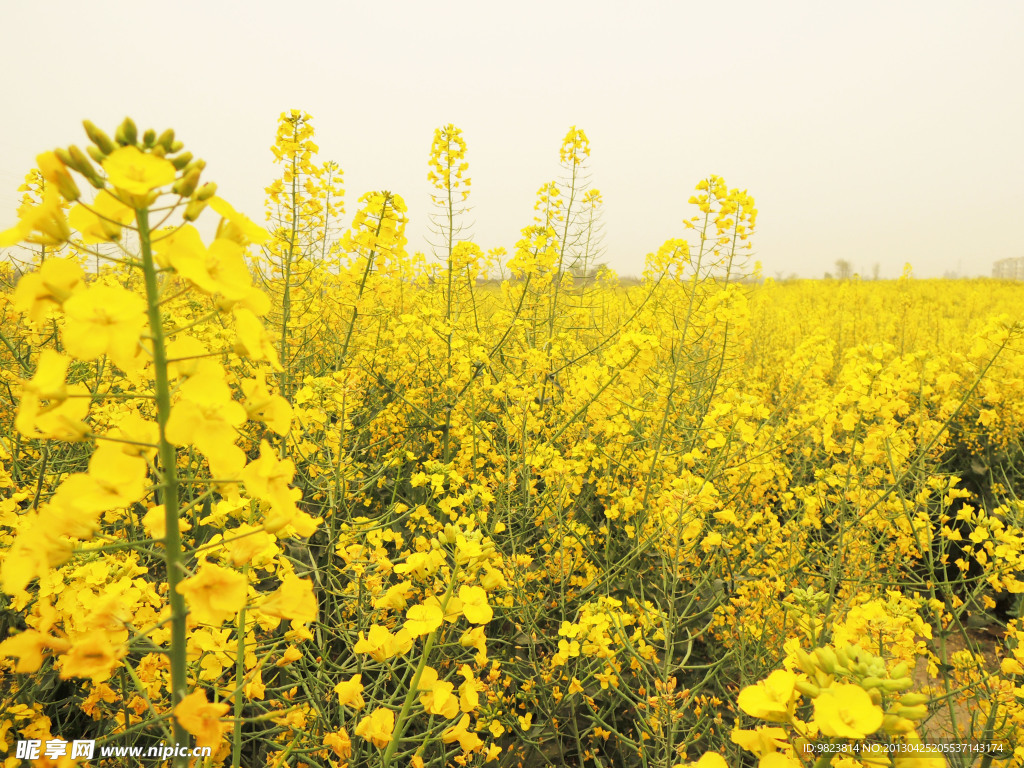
(202, 718)
(377, 727)
(770, 699)
(845, 710)
(215, 594)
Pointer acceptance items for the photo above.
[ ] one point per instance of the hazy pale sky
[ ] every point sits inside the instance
(874, 131)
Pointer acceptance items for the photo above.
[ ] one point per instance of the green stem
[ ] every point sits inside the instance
(168, 483)
(410, 696)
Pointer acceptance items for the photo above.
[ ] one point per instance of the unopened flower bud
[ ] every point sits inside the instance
(126, 133)
(900, 670)
(166, 139)
(187, 184)
(176, 146)
(98, 137)
(193, 209)
(94, 152)
(55, 172)
(894, 724)
(149, 138)
(872, 682)
(206, 191)
(181, 160)
(81, 163)
(806, 662)
(918, 712)
(826, 659)
(913, 699)
(807, 688)
(898, 684)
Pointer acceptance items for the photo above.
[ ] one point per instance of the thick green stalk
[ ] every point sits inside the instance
(168, 482)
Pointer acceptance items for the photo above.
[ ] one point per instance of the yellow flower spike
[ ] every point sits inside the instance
(377, 727)
(770, 699)
(135, 174)
(215, 594)
(845, 710)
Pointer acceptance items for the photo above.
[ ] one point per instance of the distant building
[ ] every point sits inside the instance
(1008, 269)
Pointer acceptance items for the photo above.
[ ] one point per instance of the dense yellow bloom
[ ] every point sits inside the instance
(215, 594)
(201, 718)
(845, 710)
(377, 727)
